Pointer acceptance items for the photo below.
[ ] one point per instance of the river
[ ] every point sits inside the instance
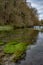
(34, 52)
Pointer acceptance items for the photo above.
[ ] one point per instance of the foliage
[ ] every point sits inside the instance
(1, 43)
(41, 22)
(14, 3)
(16, 49)
(17, 13)
(12, 48)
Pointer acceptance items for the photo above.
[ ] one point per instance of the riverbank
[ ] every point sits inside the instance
(15, 42)
(6, 28)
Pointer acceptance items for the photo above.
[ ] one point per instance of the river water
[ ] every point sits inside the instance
(34, 55)
(34, 52)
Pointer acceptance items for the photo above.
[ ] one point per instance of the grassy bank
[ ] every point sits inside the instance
(6, 28)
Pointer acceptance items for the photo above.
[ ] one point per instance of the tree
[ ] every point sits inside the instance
(41, 22)
(34, 16)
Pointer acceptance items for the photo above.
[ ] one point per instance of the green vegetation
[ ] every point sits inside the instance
(16, 14)
(1, 43)
(12, 42)
(12, 48)
(41, 22)
(17, 50)
(6, 28)
(15, 42)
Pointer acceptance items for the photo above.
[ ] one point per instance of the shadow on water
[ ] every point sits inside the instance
(28, 36)
(35, 54)
(20, 35)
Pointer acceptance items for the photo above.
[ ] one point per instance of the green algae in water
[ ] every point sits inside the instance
(17, 50)
(13, 43)
(1, 43)
(11, 48)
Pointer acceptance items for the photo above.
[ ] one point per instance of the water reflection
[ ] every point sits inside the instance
(20, 35)
(34, 56)
(28, 36)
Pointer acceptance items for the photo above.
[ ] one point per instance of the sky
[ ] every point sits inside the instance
(39, 5)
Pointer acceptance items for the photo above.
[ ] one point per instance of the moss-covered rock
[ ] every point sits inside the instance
(12, 48)
(16, 50)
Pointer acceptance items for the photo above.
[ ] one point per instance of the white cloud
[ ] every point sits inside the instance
(39, 5)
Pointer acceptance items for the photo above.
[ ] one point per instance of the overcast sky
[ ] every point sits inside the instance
(39, 5)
